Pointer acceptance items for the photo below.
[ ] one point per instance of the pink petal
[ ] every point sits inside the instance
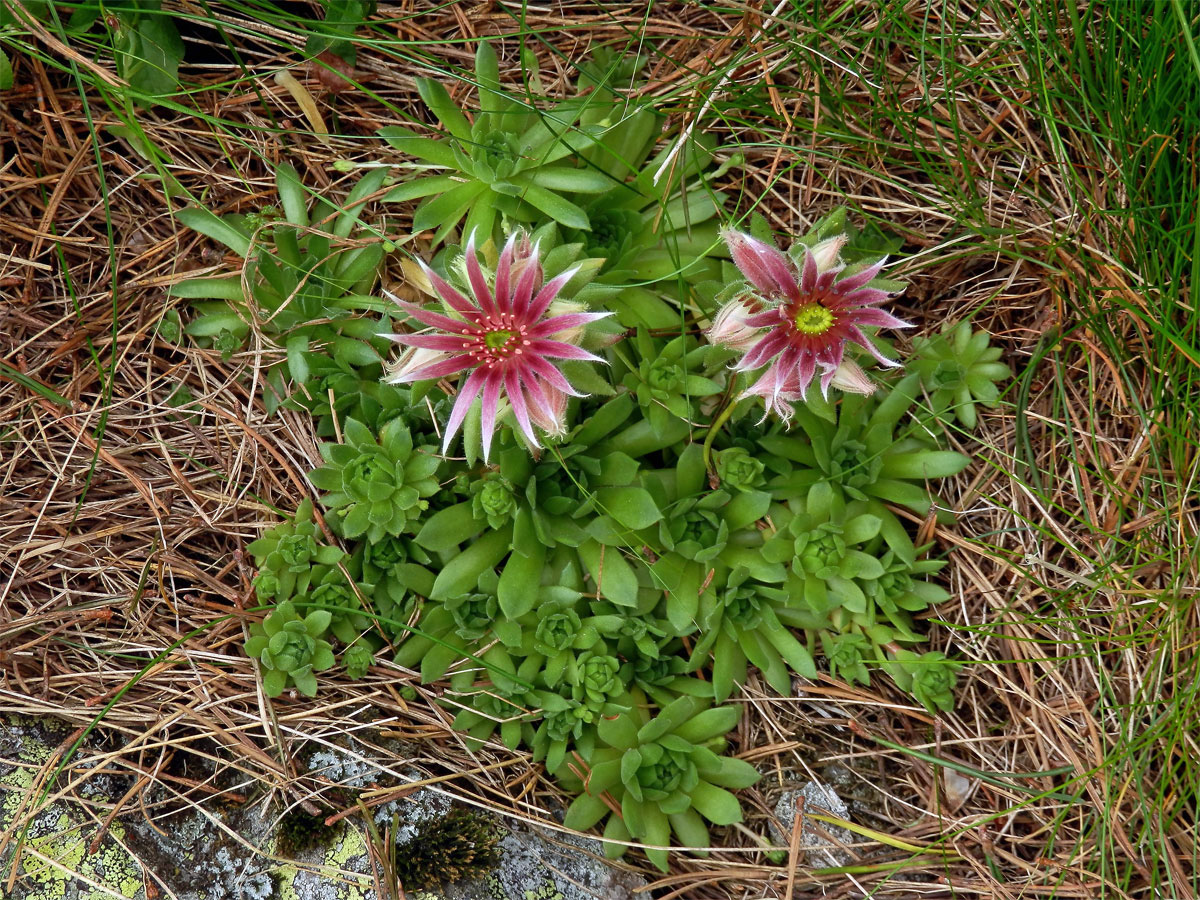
(861, 339)
(551, 375)
(445, 342)
(874, 317)
(450, 295)
(861, 297)
(766, 319)
(808, 280)
(829, 359)
(771, 344)
(530, 275)
(548, 292)
(516, 396)
(437, 320)
(483, 296)
(562, 323)
(763, 265)
(491, 397)
(857, 280)
(436, 370)
(504, 273)
(559, 350)
(804, 363)
(467, 392)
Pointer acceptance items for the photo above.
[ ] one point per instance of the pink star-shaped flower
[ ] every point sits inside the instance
(503, 339)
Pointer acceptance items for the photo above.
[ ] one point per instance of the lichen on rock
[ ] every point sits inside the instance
(233, 849)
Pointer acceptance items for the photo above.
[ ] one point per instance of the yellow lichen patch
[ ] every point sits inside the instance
(55, 861)
(337, 880)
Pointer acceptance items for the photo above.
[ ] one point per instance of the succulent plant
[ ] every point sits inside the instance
(590, 589)
(930, 676)
(474, 612)
(739, 470)
(493, 498)
(857, 457)
(657, 234)
(395, 568)
(512, 162)
(900, 591)
(358, 658)
(959, 371)
(337, 390)
(847, 655)
(305, 284)
(376, 487)
(286, 555)
(503, 697)
(291, 649)
(740, 623)
(337, 590)
(667, 380)
(664, 774)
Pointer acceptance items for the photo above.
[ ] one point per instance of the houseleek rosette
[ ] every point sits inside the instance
(291, 649)
(512, 161)
(664, 774)
(959, 370)
(376, 487)
(287, 554)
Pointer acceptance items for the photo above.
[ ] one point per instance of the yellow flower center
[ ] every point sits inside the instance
(813, 318)
(497, 339)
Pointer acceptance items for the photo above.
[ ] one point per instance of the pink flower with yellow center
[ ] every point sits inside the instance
(503, 338)
(797, 323)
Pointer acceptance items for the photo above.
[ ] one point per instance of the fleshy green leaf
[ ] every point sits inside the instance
(210, 225)
(585, 812)
(520, 580)
(562, 211)
(709, 724)
(716, 804)
(447, 528)
(461, 574)
(633, 507)
(927, 464)
(613, 575)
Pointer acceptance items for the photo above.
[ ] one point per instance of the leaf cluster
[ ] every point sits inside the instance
(304, 287)
(597, 600)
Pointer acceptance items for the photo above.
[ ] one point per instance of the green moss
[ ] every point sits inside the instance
(299, 832)
(462, 844)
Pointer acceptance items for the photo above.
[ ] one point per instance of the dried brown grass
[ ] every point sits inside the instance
(125, 550)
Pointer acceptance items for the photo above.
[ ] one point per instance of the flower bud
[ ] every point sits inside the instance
(525, 253)
(827, 253)
(550, 417)
(729, 328)
(415, 275)
(564, 308)
(410, 360)
(763, 265)
(850, 377)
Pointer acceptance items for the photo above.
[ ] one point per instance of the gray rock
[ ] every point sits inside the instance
(563, 866)
(823, 844)
(242, 851)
